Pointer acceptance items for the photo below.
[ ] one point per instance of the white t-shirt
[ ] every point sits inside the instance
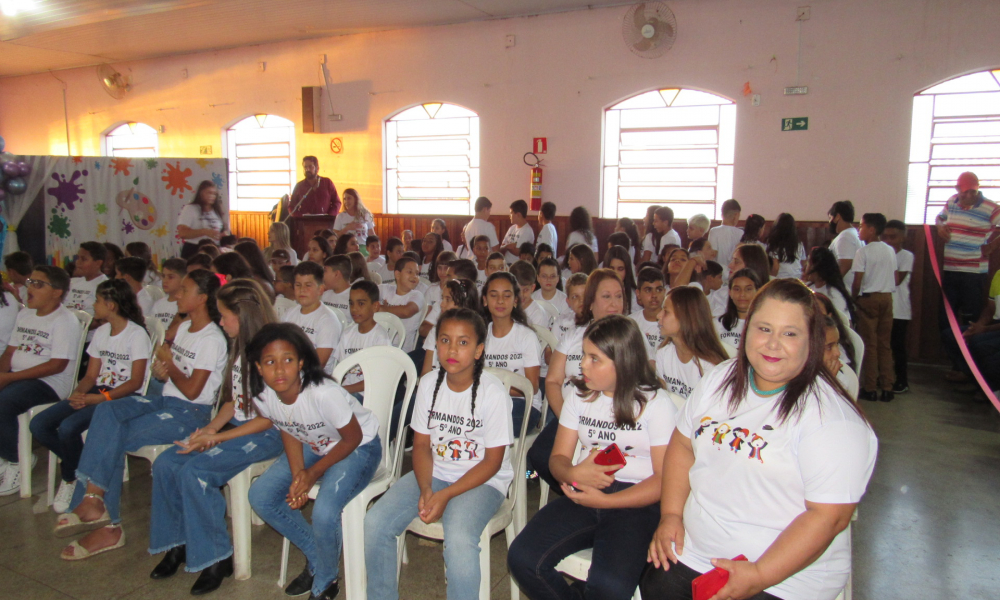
(844, 247)
(480, 227)
(752, 475)
(718, 300)
(411, 324)
(576, 237)
(317, 414)
(8, 316)
(792, 270)
(725, 238)
(236, 381)
(515, 352)
(571, 344)
(195, 218)
(321, 326)
(650, 332)
(595, 423)
(352, 341)
(204, 350)
(81, 294)
(458, 442)
(670, 237)
(118, 352)
(538, 316)
(680, 377)
(548, 235)
(901, 295)
(145, 302)
(38, 340)
(378, 261)
(732, 336)
(446, 245)
(433, 299)
(517, 235)
(558, 300)
(564, 324)
(838, 300)
(877, 261)
(388, 275)
(341, 301)
(164, 309)
(360, 227)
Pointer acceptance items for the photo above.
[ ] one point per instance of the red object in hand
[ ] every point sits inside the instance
(610, 456)
(707, 585)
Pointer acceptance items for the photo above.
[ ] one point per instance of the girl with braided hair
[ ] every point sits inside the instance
(461, 468)
(188, 519)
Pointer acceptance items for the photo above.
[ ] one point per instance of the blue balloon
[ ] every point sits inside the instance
(2, 143)
(24, 169)
(16, 186)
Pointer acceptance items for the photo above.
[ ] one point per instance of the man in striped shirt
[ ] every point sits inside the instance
(968, 224)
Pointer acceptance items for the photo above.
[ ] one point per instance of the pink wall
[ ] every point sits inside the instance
(863, 60)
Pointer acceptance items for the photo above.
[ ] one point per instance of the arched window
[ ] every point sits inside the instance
(672, 147)
(261, 151)
(133, 140)
(956, 128)
(432, 160)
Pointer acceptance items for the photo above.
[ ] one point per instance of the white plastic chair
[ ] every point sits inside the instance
(859, 347)
(376, 278)
(345, 320)
(155, 292)
(577, 566)
(391, 364)
(549, 308)
(850, 381)
(546, 336)
(731, 350)
(243, 516)
(503, 520)
(393, 325)
(24, 419)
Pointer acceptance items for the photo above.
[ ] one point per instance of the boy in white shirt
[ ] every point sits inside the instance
(725, 237)
(547, 234)
(284, 289)
(520, 231)
(132, 270)
(848, 241)
(374, 247)
(481, 250)
(337, 280)
(875, 278)
(363, 333)
(19, 266)
(895, 232)
(480, 225)
(89, 273)
(650, 294)
(318, 322)
(404, 301)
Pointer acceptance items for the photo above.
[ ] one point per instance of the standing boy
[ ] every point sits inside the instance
(321, 326)
(725, 237)
(363, 333)
(875, 278)
(848, 240)
(480, 225)
(650, 293)
(895, 232)
(520, 231)
(547, 234)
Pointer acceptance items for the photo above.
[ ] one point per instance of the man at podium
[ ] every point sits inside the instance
(314, 195)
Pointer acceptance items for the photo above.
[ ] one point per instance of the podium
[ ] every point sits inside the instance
(305, 228)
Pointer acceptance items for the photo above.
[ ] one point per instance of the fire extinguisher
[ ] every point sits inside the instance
(535, 195)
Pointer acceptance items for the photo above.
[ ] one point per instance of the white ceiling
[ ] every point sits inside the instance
(63, 34)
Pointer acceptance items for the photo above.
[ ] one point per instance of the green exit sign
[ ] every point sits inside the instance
(795, 124)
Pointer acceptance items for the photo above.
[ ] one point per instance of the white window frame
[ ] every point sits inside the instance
(955, 127)
(133, 140)
(693, 135)
(431, 158)
(250, 143)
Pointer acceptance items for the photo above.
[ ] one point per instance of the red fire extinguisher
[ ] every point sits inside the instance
(535, 195)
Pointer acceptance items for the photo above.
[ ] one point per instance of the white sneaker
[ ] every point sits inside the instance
(63, 497)
(11, 483)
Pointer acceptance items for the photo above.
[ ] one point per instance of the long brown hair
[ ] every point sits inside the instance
(619, 338)
(791, 401)
(248, 301)
(590, 294)
(697, 331)
(755, 258)
(215, 206)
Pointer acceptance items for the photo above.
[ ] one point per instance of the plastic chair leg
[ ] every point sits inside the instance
(239, 506)
(53, 477)
(24, 453)
(355, 576)
(283, 575)
(484, 564)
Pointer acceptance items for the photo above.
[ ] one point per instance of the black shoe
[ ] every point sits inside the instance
(900, 388)
(172, 561)
(301, 584)
(870, 396)
(211, 578)
(887, 396)
(329, 593)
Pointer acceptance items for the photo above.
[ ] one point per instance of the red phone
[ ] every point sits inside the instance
(705, 586)
(610, 456)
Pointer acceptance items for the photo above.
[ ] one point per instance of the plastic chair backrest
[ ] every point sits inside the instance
(156, 335)
(677, 399)
(376, 278)
(731, 350)
(850, 381)
(155, 292)
(859, 347)
(84, 320)
(520, 447)
(383, 366)
(549, 308)
(394, 325)
(345, 320)
(547, 337)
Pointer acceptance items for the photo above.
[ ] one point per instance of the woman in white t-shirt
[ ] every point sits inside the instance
(202, 219)
(769, 460)
(188, 517)
(461, 465)
(118, 353)
(193, 366)
(354, 217)
(511, 343)
(743, 286)
(617, 402)
(690, 347)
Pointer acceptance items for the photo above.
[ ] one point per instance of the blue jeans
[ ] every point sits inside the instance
(125, 425)
(60, 429)
(517, 412)
(541, 451)
(984, 349)
(464, 519)
(619, 536)
(965, 292)
(321, 541)
(15, 399)
(189, 507)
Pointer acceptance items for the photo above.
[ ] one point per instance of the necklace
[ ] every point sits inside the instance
(753, 386)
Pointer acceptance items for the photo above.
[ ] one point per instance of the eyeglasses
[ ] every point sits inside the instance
(37, 283)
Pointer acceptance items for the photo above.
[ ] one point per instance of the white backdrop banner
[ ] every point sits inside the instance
(122, 200)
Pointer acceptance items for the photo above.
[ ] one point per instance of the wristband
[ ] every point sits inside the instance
(106, 395)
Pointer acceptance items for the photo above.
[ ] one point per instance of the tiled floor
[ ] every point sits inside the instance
(927, 528)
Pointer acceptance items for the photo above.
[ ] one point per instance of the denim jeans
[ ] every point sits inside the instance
(984, 349)
(965, 292)
(60, 429)
(675, 584)
(899, 359)
(541, 451)
(464, 519)
(321, 541)
(17, 398)
(188, 504)
(125, 425)
(517, 412)
(619, 536)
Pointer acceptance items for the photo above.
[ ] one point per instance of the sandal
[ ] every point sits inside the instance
(80, 553)
(69, 524)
